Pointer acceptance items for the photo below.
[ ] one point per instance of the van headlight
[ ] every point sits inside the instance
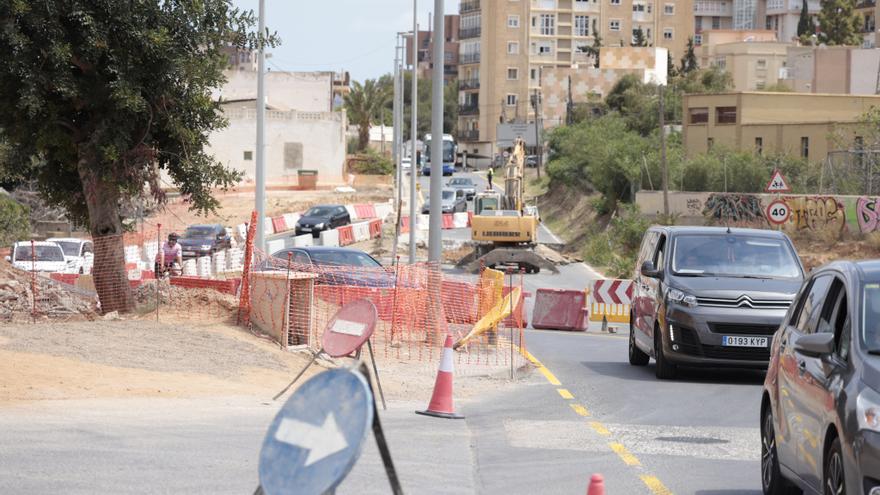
(868, 410)
(681, 297)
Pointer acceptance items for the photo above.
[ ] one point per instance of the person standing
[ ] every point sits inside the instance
(489, 175)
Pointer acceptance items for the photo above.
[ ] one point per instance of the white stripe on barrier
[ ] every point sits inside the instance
(241, 229)
(268, 228)
(330, 238)
(383, 210)
(290, 219)
(275, 245)
(203, 266)
(189, 268)
(361, 231)
(460, 220)
(423, 222)
(352, 212)
(303, 240)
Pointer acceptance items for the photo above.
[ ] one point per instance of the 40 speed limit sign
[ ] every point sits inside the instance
(778, 212)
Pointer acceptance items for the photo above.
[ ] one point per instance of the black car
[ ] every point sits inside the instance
(204, 240)
(335, 265)
(820, 410)
(320, 218)
(710, 296)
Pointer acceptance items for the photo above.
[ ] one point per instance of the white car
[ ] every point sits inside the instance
(75, 253)
(405, 164)
(43, 256)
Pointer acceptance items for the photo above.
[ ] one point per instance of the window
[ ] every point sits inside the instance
(542, 47)
(725, 115)
(511, 100)
(698, 115)
(512, 47)
(669, 9)
(248, 156)
(548, 24)
(639, 7)
(614, 25)
(759, 145)
(759, 85)
(805, 147)
(513, 21)
(615, 2)
(806, 317)
(667, 33)
(761, 63)
(512, 73)
(659, 256)
(716, 22)
(533, 75)
(581, 25)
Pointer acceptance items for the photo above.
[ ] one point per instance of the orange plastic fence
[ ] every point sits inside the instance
(279, 224)
(448, 221)
(375, 228)
(346, 235)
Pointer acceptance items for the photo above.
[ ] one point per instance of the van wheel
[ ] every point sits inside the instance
(636, 356)
(663, 369)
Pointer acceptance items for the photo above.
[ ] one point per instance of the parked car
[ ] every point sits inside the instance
(320, 218)
(465, 184)
(710, 296)
(75, 252)
(531, 161)
(452, 201)
(335, 265)
(820, 410)
(42, 256)
(204, 240)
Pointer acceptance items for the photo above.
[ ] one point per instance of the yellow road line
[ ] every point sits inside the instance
(625, 456)
(600, 428)
(549, 376)
(580, 410)
(656, 486)
(565, 393)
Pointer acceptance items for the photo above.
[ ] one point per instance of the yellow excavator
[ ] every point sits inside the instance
(502, 231)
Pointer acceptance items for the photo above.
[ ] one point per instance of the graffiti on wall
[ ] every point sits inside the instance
(868, 214)
(694, 206)
(816, 213)
(735, 208)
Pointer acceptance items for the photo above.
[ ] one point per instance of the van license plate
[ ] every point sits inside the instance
(743, 341)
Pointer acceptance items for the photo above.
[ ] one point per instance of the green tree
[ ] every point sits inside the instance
(14, 221)
(593, 50)
(689, 60)
(98, 99)
(805, 21)
(364, 104)
(639, 38)
(636, 102)
(839, 22)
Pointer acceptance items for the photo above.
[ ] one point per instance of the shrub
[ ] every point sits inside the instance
(371, 163)
(14, 221)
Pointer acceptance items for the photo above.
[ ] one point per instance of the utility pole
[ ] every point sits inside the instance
(663, 166)
(395, 121)
(434, 232)
(539, 150)
(260, 185)
(413, 134)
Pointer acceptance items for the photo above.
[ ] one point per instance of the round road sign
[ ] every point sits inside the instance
(350, 327)
(778, 212)
(317, 436)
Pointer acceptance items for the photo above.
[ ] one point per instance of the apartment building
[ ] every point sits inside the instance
(782, 16)
(833, 69)
(869, 11)
(505, 45)
(426, 50)
(779, 16)
(752, 66)
(797, 124)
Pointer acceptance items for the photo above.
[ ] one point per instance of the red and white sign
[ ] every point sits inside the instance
(350, 328)
(777, 183)
(613, 291)
(778, 212)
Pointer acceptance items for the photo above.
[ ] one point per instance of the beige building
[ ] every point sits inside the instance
(794, 123)
(426, 50)
(506, 45)
(711, 39)
(782, 16)
(833, 69)
(869, 10)
(752, 66)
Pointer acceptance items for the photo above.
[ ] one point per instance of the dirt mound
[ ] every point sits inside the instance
(187, 300)
(53, 299)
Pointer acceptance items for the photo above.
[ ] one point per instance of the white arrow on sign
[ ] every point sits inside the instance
(320, 441)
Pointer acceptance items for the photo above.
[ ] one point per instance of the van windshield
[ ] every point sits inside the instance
(42, 252)
(734, 255)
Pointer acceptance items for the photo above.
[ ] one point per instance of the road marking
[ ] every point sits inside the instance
(565, 393)
(656, 486)
(549, 376)
(600, 428)
(625, 456)
(580, 410)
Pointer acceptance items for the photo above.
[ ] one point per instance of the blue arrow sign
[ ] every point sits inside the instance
(317, 436)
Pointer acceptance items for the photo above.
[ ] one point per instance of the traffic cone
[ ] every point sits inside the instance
(597, 485)
(441, 401)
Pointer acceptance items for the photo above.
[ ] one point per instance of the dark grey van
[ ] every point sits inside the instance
(710, 296)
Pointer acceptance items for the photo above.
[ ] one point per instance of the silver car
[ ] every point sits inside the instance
(466, 184)
(452, 201)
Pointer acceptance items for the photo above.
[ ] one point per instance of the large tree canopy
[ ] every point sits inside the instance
(98, 98)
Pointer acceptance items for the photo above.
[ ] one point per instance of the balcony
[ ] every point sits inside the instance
(469, 58)
(465, 84)
(720, 9)
(469, 109)
(472, 6)
(464, 34)
(469, 136)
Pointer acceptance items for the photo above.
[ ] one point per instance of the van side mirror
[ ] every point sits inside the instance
(650, 271)
(815, 344)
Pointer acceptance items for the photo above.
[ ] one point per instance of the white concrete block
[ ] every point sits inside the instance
(330, 238)
(423, 222)
(352, 212)
(361, 231)
(383, 210)
(303, 240)
(290, 219)
(273, 246)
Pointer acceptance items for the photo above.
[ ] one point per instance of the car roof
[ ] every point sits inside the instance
(861, 269)
(321, 249)
(67, 239)
(37, 243)
(681, 229)
(325, 205)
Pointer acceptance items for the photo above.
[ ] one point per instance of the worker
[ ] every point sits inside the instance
(489, 175)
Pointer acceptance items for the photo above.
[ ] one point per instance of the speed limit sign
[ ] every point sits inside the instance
(778, 212)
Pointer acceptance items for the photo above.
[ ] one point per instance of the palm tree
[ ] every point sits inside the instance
(364, 104)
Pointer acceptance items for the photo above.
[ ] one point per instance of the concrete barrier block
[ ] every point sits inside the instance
(352, 212)
(330, 238)
(361, 231)
(303, 240)
(274, 245)
(383, 210)
(460, 220)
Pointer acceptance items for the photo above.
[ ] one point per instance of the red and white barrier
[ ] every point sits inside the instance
(330, 238)
(303, 240)
(383, 210)
(365, 211)
(268, 228)
(279, 224)
(560, 309)
(361, 231)
(290, 219)
(423, 222)
(352, 212)
(611, 299)
(460, 220)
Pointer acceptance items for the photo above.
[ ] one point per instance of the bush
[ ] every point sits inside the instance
(371, 163)
(14, 221)
(617, 247)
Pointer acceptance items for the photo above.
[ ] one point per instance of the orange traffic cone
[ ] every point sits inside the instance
(441, 402)
(597, 485)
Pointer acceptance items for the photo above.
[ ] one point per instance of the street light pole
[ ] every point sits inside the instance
(395, 120)
(260, 186)
(413, 135)
(434, 232)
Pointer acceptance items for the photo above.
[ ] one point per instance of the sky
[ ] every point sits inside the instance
(353, 35)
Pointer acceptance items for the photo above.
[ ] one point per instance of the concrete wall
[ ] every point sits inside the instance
(318, 137)
(303, 91)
